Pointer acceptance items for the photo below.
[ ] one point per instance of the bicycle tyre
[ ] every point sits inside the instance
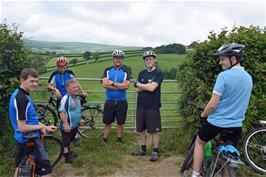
(187, 164)
(26, 170)
(231, 171)
(47, 114)
(253, 144)
(90, 116)
(54, 148)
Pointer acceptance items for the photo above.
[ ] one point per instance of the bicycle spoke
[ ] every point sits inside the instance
(254, 150)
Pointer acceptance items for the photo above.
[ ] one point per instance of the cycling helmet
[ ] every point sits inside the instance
(118, 53)
(232, 49)
(149, 54)
(62, 61)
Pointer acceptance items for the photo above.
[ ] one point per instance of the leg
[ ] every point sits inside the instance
(143, 138)
(106, 130)
(120, 131)
(121, 114)
(155, 140)
(198, 155)
(16, 173)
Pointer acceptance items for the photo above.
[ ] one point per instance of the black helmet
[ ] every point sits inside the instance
(232, 49)
(149, 54)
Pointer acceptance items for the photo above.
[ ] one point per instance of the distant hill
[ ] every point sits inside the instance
(72, 47)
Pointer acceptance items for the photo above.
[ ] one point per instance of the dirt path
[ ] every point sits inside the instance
(142, 167)
(136, 167)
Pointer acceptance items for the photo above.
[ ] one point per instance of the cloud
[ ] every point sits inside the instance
(140, 23)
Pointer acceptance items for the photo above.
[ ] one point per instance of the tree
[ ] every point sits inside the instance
(13, 58)
(171, 48)
(198, 75)
(87, 55)
(73, 61)
(96, 56)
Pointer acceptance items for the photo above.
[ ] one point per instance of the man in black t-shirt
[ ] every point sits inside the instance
(148, 119)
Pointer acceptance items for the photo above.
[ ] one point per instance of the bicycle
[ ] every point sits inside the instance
(46, 112)
(52, 145)
(90, 113)
(255, 147)
(223, 156)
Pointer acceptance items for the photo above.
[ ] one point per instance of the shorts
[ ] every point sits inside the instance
(42, 163)
(229, 135)
(148, 119)
(115, 109)
(68, 137)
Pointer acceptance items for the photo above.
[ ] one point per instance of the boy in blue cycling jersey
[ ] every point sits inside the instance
(70, 114)
(26, 125)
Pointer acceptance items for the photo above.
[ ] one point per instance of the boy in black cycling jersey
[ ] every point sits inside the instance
(26, 125)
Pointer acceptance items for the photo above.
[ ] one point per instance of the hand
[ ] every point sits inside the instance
(135, 83)
(58, 94)
(51, 128)
(111, 83)
(67, 128)
(84, 93)
(81, 122)
(202, 116)
(43, 131)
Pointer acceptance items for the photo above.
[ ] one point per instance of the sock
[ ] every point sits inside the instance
(105, 140)
(66, 154)
(143, 148)
(119, 139)
(195, 174)
(156, 150)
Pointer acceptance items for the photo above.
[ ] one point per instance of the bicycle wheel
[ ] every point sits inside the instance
(90, 116)
(187, 164)
(26, 168)
(54, 148)
(46, 114)
(254, 149)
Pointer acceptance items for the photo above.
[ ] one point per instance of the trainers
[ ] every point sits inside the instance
(139, 153)
(76, 142)
(73, 154)
(69, 159)
(154, 156)
(104, 143)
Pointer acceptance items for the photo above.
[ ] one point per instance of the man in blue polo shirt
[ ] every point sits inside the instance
(116, 80)
(228, 104)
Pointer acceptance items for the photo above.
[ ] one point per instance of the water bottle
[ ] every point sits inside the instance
(208, 150)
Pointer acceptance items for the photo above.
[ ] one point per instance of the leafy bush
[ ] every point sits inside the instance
(198, 75)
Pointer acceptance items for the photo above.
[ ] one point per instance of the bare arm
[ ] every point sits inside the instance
(148, 87)
(108, 84)
(23, 127)
(210, 107)
(64, 120)
(122, 86)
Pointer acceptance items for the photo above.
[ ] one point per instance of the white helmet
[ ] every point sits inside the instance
(149, 54)
(118, 53)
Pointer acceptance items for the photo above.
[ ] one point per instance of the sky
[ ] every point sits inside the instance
(132, 23)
